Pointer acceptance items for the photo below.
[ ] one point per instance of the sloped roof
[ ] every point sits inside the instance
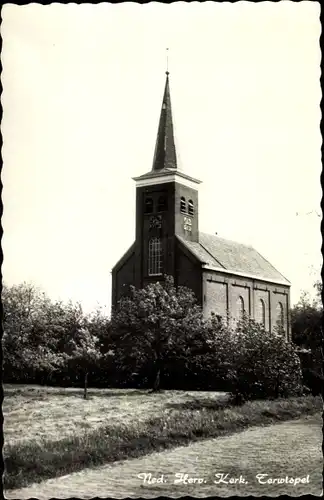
(165, 152)
(232, 257)
(124, 257)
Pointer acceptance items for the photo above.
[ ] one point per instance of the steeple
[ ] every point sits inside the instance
(165, 152)
(165, 166)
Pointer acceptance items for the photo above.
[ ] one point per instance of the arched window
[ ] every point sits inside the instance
(183, 205)
(190, 207)
(162, 204)
(148, 206)
(155, 257)
(262, 312)
(240, 308)
(280, 316)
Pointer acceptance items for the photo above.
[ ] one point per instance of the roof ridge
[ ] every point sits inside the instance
(227, 239)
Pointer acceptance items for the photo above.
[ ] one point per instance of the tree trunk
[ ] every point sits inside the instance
(277, 387)
(156, 385)
(85, 394)
(157, 379)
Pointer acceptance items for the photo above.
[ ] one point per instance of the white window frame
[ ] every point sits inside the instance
(155, 257)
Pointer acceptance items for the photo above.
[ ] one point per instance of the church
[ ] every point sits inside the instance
(228, 278)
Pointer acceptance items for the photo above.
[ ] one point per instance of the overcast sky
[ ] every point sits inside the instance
(82, 91)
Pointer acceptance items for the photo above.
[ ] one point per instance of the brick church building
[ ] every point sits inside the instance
(226, 277)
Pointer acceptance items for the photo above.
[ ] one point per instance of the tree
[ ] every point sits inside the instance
(318, 302)
(307, 335)
(74, 336)
(43, 336)
(153, 321)
(306, 321)
(83, 350)
(200, 359)
(27, 341)
(99, 324)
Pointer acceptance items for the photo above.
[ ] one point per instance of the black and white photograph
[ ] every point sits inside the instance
(162, 266)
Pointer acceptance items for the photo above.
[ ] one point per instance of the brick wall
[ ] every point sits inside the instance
(215, 297)
(189, 194)
(122, 277)
(221, 292)
(188, 271)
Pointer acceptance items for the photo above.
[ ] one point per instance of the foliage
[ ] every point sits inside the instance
(27, 342)
(307, 334)
(256, 363)
(153, 322)
(44, 340)
(306, 321)
(203, 362)
(83, 350)
(157, 337)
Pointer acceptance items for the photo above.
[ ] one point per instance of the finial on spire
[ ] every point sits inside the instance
(167, 62)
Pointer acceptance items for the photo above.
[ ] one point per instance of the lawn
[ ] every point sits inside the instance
(51, 432)
(43, 414)
(291, 448)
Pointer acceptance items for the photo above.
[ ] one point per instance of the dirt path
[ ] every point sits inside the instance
(290, 449)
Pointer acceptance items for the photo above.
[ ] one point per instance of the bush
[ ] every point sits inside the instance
(259, 364)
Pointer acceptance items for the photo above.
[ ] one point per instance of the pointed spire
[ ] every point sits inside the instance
(165, 152)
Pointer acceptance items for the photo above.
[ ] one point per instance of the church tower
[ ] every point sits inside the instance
(227, 277)
(166, 205)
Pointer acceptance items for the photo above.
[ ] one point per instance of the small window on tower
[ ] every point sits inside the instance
(190, 207)
(148, 208)
(162, 204)
(183, 205)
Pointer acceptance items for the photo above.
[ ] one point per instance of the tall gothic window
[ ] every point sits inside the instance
(240, 308)
(162, 204)
(155, 257)
(183, 205)
(190, 207)
(280, 316)
(148, 206)
(262, 312)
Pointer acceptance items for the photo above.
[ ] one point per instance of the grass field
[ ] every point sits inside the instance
(50, 432)
(43, 414)
(291, 448)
